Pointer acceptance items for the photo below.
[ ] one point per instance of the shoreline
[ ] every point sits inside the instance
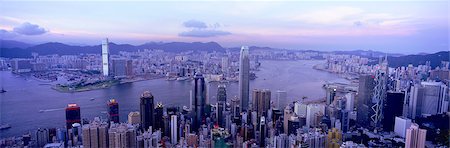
(104, 86)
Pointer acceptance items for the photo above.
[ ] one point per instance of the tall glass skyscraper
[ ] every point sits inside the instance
(199, 102)
(221, 104)
(159, 113)
(105, 57)
(147, 110)
(244, 80)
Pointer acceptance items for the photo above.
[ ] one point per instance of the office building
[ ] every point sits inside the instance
(261, 101)
(225, 65)
(313, 111)
(364, 101)
(95, 134)
(428, 98)
(415, 137)
(73, 115)
(42, 137)
(105, 57)
(147, 110)
(199, 102)
(435, 98)
(415, 101)
(244, 78)
(221, 104)
(281, 96)
(330, 95)
(262, 132)
(300, 108)
(159, 113)
(134, 118)
(286, 116)
(121, 68)
(401, 124)
(21, 65)
(393, 107)
(293, 125)
(174, 129)
(113, 111)
(122, 135)
(350, 101)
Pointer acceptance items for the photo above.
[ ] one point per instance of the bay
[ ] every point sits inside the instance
(20, 106)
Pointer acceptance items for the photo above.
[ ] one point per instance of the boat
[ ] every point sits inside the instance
(41, 111)
(3, 90)
(182, 78)
(171, 79)
(4, 126)
(92, 99)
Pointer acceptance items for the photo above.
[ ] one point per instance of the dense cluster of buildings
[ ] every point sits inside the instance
(392, 107)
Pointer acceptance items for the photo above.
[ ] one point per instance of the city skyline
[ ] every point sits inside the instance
(231, 73)
(396, 27)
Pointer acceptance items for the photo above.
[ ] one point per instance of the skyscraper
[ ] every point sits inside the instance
(199, 100)
(262, 132)
(415, 137)
(287, 115)
(364, 102)
(122, 135)
(221, 104)
(159, 113)
(435, 99)
(41, 137)
(224, 65)
(415, 101)
(147, 110)
(105, 57)
(379, 93)
(428, 98)
(330, 93)
(312, 113)
(293, 125)
(401, 125)
(73, 115)
(173, 129)
(393, 107)
(261, 101)
(113, 111)
(244, 80)
(95, 134)
(281, 95)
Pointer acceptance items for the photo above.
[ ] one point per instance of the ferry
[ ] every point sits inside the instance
(4, 126)
(182, 78)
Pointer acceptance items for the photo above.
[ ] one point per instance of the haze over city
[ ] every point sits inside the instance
(388, 26)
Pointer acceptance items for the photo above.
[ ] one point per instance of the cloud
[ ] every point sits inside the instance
(203, 33)
(358, 23)
(329, 15)
(195, 24)
(29, 29)
(5, 34)
(202, 30)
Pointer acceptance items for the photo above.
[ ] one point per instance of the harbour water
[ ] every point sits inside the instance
(28, 104)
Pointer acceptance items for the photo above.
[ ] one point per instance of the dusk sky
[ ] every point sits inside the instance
(395, 27)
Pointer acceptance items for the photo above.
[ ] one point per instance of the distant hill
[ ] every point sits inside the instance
(13, 44)
(435, 59)
(64, 49)
(367, 53)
